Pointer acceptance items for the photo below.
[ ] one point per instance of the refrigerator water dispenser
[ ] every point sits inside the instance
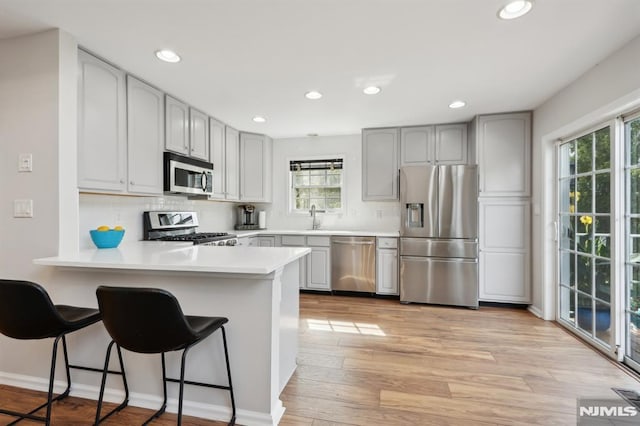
(415, 215)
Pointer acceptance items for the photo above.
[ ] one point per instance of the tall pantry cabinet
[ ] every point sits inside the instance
(503, 151)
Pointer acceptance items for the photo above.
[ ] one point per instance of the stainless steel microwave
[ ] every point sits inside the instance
(184, 175)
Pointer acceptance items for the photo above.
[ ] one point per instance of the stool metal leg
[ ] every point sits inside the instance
(103, 384)
(66, 366)
(50, 399)
(226, 357)
(164, 402)
(52, 376)
(181, 394)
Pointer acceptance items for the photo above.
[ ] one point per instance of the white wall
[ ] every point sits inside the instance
(610, 88)
(29, 105)
(358, 214)
(33, 119)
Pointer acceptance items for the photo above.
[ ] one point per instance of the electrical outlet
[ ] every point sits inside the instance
(25, 162)
(22, 208)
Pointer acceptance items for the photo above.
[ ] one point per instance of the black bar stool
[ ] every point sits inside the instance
(26, 312)
(150, 321)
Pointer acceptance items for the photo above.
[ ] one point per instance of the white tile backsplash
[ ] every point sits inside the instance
(126, 211)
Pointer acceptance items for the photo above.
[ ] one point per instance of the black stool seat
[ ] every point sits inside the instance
(27, 312)
(204, 326)
(151, 321)
(75, 317)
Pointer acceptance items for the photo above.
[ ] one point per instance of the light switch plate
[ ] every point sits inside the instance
(25, 162)
(22, 208)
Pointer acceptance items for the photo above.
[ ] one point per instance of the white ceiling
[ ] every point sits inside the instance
(258, 57)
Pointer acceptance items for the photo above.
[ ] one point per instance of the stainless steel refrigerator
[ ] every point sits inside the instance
(439, 235)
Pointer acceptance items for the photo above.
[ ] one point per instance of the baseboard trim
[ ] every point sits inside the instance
(535, 311)
(190, 408)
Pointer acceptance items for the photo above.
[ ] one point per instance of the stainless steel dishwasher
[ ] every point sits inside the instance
(353, 264)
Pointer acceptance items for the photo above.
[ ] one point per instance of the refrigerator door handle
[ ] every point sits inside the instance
(442, 259)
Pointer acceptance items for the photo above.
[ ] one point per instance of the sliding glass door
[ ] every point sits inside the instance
(584, 247)
(598, 220)
(632, 240)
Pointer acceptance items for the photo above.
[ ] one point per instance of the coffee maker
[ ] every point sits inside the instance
(246, 217)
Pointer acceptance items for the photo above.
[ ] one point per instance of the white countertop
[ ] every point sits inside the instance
(327, 232)
(183, 257)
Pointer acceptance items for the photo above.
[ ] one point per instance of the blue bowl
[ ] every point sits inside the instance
(106, 239)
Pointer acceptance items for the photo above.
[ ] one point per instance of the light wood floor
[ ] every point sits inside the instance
(377, 362)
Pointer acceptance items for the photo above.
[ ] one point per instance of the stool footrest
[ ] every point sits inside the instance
(207, 385)
(97, 370)
(21, 416)
(30, 414)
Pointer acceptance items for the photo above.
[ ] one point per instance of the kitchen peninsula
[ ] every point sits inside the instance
(256, 288)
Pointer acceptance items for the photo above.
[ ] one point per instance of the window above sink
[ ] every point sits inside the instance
(316, 182)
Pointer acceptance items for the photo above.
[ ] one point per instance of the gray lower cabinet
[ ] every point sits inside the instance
(504, 237)
(248, 241)
(315, 268)
(267, 241)
(387, 266)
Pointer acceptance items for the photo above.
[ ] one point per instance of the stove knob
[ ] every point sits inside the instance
(231, 242)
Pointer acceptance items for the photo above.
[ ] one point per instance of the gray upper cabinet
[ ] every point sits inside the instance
(380, 164)
(217, 151)
(232, 163)
(451, 144)
(145, 134)
(503, 143)
(102, 139)
(441, 144)
(177, 126)
(255, 167)
(225, 154)
(199, 134)
(417, 146)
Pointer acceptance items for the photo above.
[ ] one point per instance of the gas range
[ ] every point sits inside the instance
(181, 226)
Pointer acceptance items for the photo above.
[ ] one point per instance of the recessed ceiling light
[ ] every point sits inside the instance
(259, 119)
(313, 95)
(515, 9)
(168, 56)
(371, 90)
(457, 104)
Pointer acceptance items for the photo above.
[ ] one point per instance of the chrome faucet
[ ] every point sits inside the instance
(313, 211)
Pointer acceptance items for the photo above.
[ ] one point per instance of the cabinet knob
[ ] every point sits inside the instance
(121, 180)
(131, 183)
